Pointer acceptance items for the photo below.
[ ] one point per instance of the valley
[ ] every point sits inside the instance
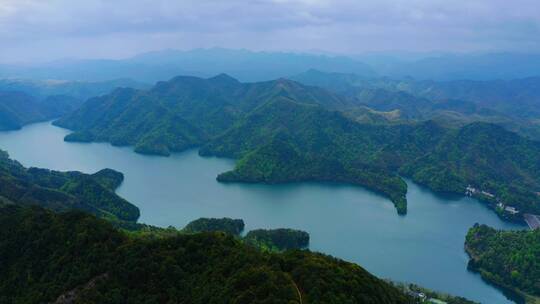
(269, 152)
(345, 221)
(281, 131)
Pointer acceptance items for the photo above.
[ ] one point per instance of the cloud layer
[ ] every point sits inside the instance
(44, 30)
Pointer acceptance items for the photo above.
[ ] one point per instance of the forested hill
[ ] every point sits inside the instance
(18, 109)
(286, 141)
(75, 258)
(488, 158)
(63, 191)
(516, 98)
(510, 259)
(181, 113)
(282, 131)
(514, 104)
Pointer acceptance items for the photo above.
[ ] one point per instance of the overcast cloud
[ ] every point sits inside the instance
(46, 30)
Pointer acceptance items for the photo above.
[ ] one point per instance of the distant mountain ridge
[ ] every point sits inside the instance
(80, 90)
(24, 101)
(249, 65)
(154, 66)
(514, 104)
(473, 66)
(18, 109)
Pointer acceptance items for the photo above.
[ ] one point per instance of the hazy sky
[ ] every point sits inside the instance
(51, 29)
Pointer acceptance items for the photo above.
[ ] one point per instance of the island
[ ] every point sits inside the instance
(227, 225)
(277, 239)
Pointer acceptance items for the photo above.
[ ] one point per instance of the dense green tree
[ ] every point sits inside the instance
(44, 256)
(62, 191)
(510, 259)
(227, 225)
(281, 131)
(277, 239)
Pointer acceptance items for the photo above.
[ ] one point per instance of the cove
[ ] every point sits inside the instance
(423, 247)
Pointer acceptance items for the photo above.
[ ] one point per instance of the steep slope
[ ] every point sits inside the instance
(74, 256)
(63, 191)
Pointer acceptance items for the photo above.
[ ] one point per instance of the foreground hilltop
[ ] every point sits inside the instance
(76, 258)
(283, 131)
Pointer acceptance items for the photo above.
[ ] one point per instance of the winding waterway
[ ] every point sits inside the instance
(424, 247)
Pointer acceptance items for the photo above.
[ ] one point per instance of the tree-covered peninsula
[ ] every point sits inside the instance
(64, 191)
(74, 257)
(282, 131)
(509, 259)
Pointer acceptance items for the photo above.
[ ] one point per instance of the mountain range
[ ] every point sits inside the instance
(512, 103)
(261, 66)
(154, 66)
(283, 131)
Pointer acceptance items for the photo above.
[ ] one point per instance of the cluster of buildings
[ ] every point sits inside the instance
(471, 191)
(509, 209)
(532, 220)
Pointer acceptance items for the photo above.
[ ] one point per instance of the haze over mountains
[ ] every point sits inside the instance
(248, 65)
(288, 118)
(24, 101)
(356, 105)
(514, 104)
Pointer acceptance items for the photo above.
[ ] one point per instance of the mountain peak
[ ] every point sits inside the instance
(223, 78)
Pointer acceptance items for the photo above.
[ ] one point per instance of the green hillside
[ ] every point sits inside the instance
(77, 258)
(281, 131)
(510, 259)
(513, 104)
(181, 113)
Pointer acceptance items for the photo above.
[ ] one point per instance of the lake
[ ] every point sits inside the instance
(423, 247)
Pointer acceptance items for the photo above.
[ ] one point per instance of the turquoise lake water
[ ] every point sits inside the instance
(423, 247)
